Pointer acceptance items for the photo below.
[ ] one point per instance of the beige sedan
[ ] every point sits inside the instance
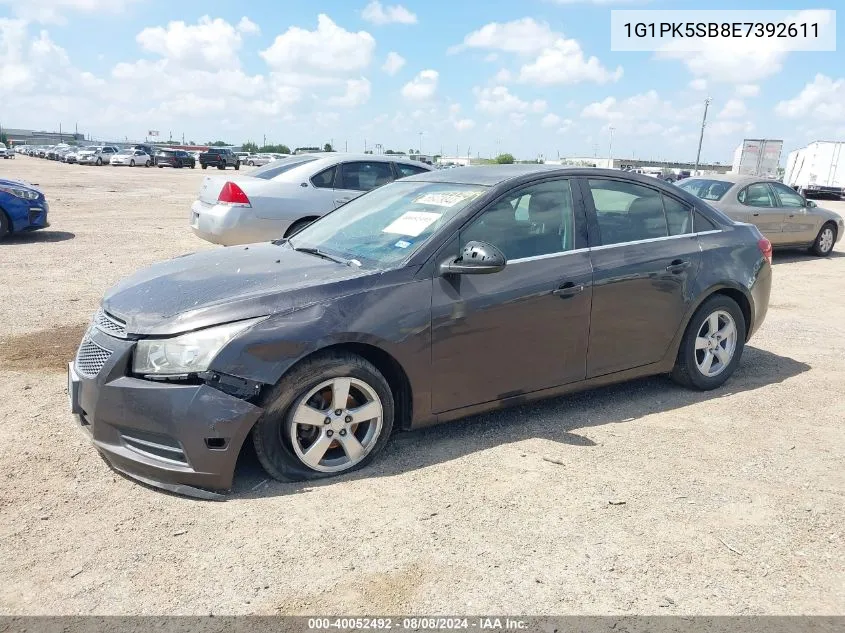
(786, 218)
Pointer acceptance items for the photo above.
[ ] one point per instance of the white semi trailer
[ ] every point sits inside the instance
(817, 169)
(757, 157)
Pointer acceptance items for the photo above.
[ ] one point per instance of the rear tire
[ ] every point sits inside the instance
(99, 162)
(712, 345)
(131, 163)
(237, 166)
(823, 246)
(277, 430)
(221, 167)
(297, 226)
(205, 166)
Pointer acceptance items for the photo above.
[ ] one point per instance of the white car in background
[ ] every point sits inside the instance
(96, 155)
(5, 153)
(284, 196)
(132, 158)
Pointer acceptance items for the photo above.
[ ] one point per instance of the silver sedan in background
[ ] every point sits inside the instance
(282, 197)
(787, 219)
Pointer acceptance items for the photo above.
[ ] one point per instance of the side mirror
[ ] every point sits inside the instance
(811, 204)
(476, 258)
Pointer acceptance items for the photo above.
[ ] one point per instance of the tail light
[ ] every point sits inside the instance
(765, 248)
(234, 195)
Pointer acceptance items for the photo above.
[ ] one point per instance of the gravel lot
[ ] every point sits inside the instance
(639, 498)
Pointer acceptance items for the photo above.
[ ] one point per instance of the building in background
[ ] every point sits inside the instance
(19, 136)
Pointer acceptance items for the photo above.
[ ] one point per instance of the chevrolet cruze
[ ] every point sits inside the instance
(437, 296)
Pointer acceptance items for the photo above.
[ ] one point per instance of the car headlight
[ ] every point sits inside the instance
(26, 194)
(186, 354)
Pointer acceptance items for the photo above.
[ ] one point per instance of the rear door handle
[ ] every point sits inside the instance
(569, 289)
(677, 266)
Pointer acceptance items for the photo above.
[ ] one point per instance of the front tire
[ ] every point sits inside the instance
(131, 163)
(823, 246)
(331, 414)
(237, 166)
(712, 345)
(205, 166)
(99, 162)
(4, 225)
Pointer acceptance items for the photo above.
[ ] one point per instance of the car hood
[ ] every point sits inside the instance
(227, 284)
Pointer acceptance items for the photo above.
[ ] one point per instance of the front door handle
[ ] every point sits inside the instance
(569, 289)
(678, 266)
(756, 215)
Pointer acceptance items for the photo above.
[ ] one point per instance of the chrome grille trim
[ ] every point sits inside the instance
(109, 325)
(91, 358)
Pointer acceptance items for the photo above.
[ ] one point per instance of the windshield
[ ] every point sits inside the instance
(388, 224)
(271, 170)
(706, 189)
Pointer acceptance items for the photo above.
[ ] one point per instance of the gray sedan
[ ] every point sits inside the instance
(284, 196)
(786, 218)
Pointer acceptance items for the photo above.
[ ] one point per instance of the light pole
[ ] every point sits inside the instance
(419, 149)
(610, 149)
(701, 138)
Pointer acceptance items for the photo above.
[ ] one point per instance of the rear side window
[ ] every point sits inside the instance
(701, 223)
(271, 170)
(678, 216)
(627, 212)
(365, 175)
(408, 170)
(757, 195)
(325, 179)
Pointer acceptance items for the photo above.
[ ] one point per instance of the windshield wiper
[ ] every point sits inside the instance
(323, 254)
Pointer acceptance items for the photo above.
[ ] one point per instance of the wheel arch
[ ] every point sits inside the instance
(309, 218)
(9, 225)
(385, 362)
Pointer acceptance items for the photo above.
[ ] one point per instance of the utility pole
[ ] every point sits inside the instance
(365, 146)
(265, 141)
(60, 133)
(345, 146)
(701, 138)
(610, 149)
(419, 149)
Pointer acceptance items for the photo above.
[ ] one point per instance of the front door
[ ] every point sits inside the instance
(644, 262)
(522, 329)
(800, 225)
(358, 177)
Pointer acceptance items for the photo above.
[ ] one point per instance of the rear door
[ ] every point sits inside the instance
(645, 258)
(358, 177)
(759, 206)
(800, 225)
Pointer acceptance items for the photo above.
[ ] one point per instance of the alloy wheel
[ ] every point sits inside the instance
(826, 240)
(715, 343)
(336, 424)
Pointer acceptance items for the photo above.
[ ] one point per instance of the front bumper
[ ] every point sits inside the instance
(29, 215)
(183, 438)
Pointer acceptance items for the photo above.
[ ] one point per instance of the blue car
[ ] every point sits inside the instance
(23, 207)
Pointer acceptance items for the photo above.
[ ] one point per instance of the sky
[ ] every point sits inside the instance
(529, 77)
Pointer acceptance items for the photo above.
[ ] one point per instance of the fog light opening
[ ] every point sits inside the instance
(216, 443)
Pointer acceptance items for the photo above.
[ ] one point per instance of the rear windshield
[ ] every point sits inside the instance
(271, 170)
(706, 189)
(168, 152)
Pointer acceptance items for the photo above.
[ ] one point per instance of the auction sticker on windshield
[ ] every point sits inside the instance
(412, 223)
(445, 198)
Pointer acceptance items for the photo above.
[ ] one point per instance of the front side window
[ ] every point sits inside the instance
(536, 220)
(757, 195)
(627, 212)
(364, 176)
(788, 197)
(389, 224)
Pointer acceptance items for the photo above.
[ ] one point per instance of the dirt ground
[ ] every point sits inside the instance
(639, 498)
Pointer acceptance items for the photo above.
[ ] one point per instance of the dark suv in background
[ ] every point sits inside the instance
(220, 157)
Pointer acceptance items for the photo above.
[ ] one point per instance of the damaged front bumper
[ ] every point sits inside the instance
(184, 438)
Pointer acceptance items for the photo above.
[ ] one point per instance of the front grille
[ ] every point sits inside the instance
(109, 324)
(91, 358)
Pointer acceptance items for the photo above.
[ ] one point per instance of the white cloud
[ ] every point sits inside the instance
(565, 126)
(523, 36)
(503, 76)
(464, 124)
(738, 60)
(557, 60)
(645, 114)
(698, 84)
(491, 57)
(54, 11)
(247, 26)
(734, 109)
(376, 13)
(208, 44)
(330, 49)
(600, 2)
(393, 63)
(422, 87)
(357, 93)
(499, 100)
(822, 99)
(747, 90)
(550, 120)
(565, 63)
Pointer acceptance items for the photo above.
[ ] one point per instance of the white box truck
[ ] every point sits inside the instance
(758, 157)
(817, 169)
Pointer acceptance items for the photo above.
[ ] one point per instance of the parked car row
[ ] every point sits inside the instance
(137, 155)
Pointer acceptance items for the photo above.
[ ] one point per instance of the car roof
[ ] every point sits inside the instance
(738, 179)
(494, 174)
(347, 156)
